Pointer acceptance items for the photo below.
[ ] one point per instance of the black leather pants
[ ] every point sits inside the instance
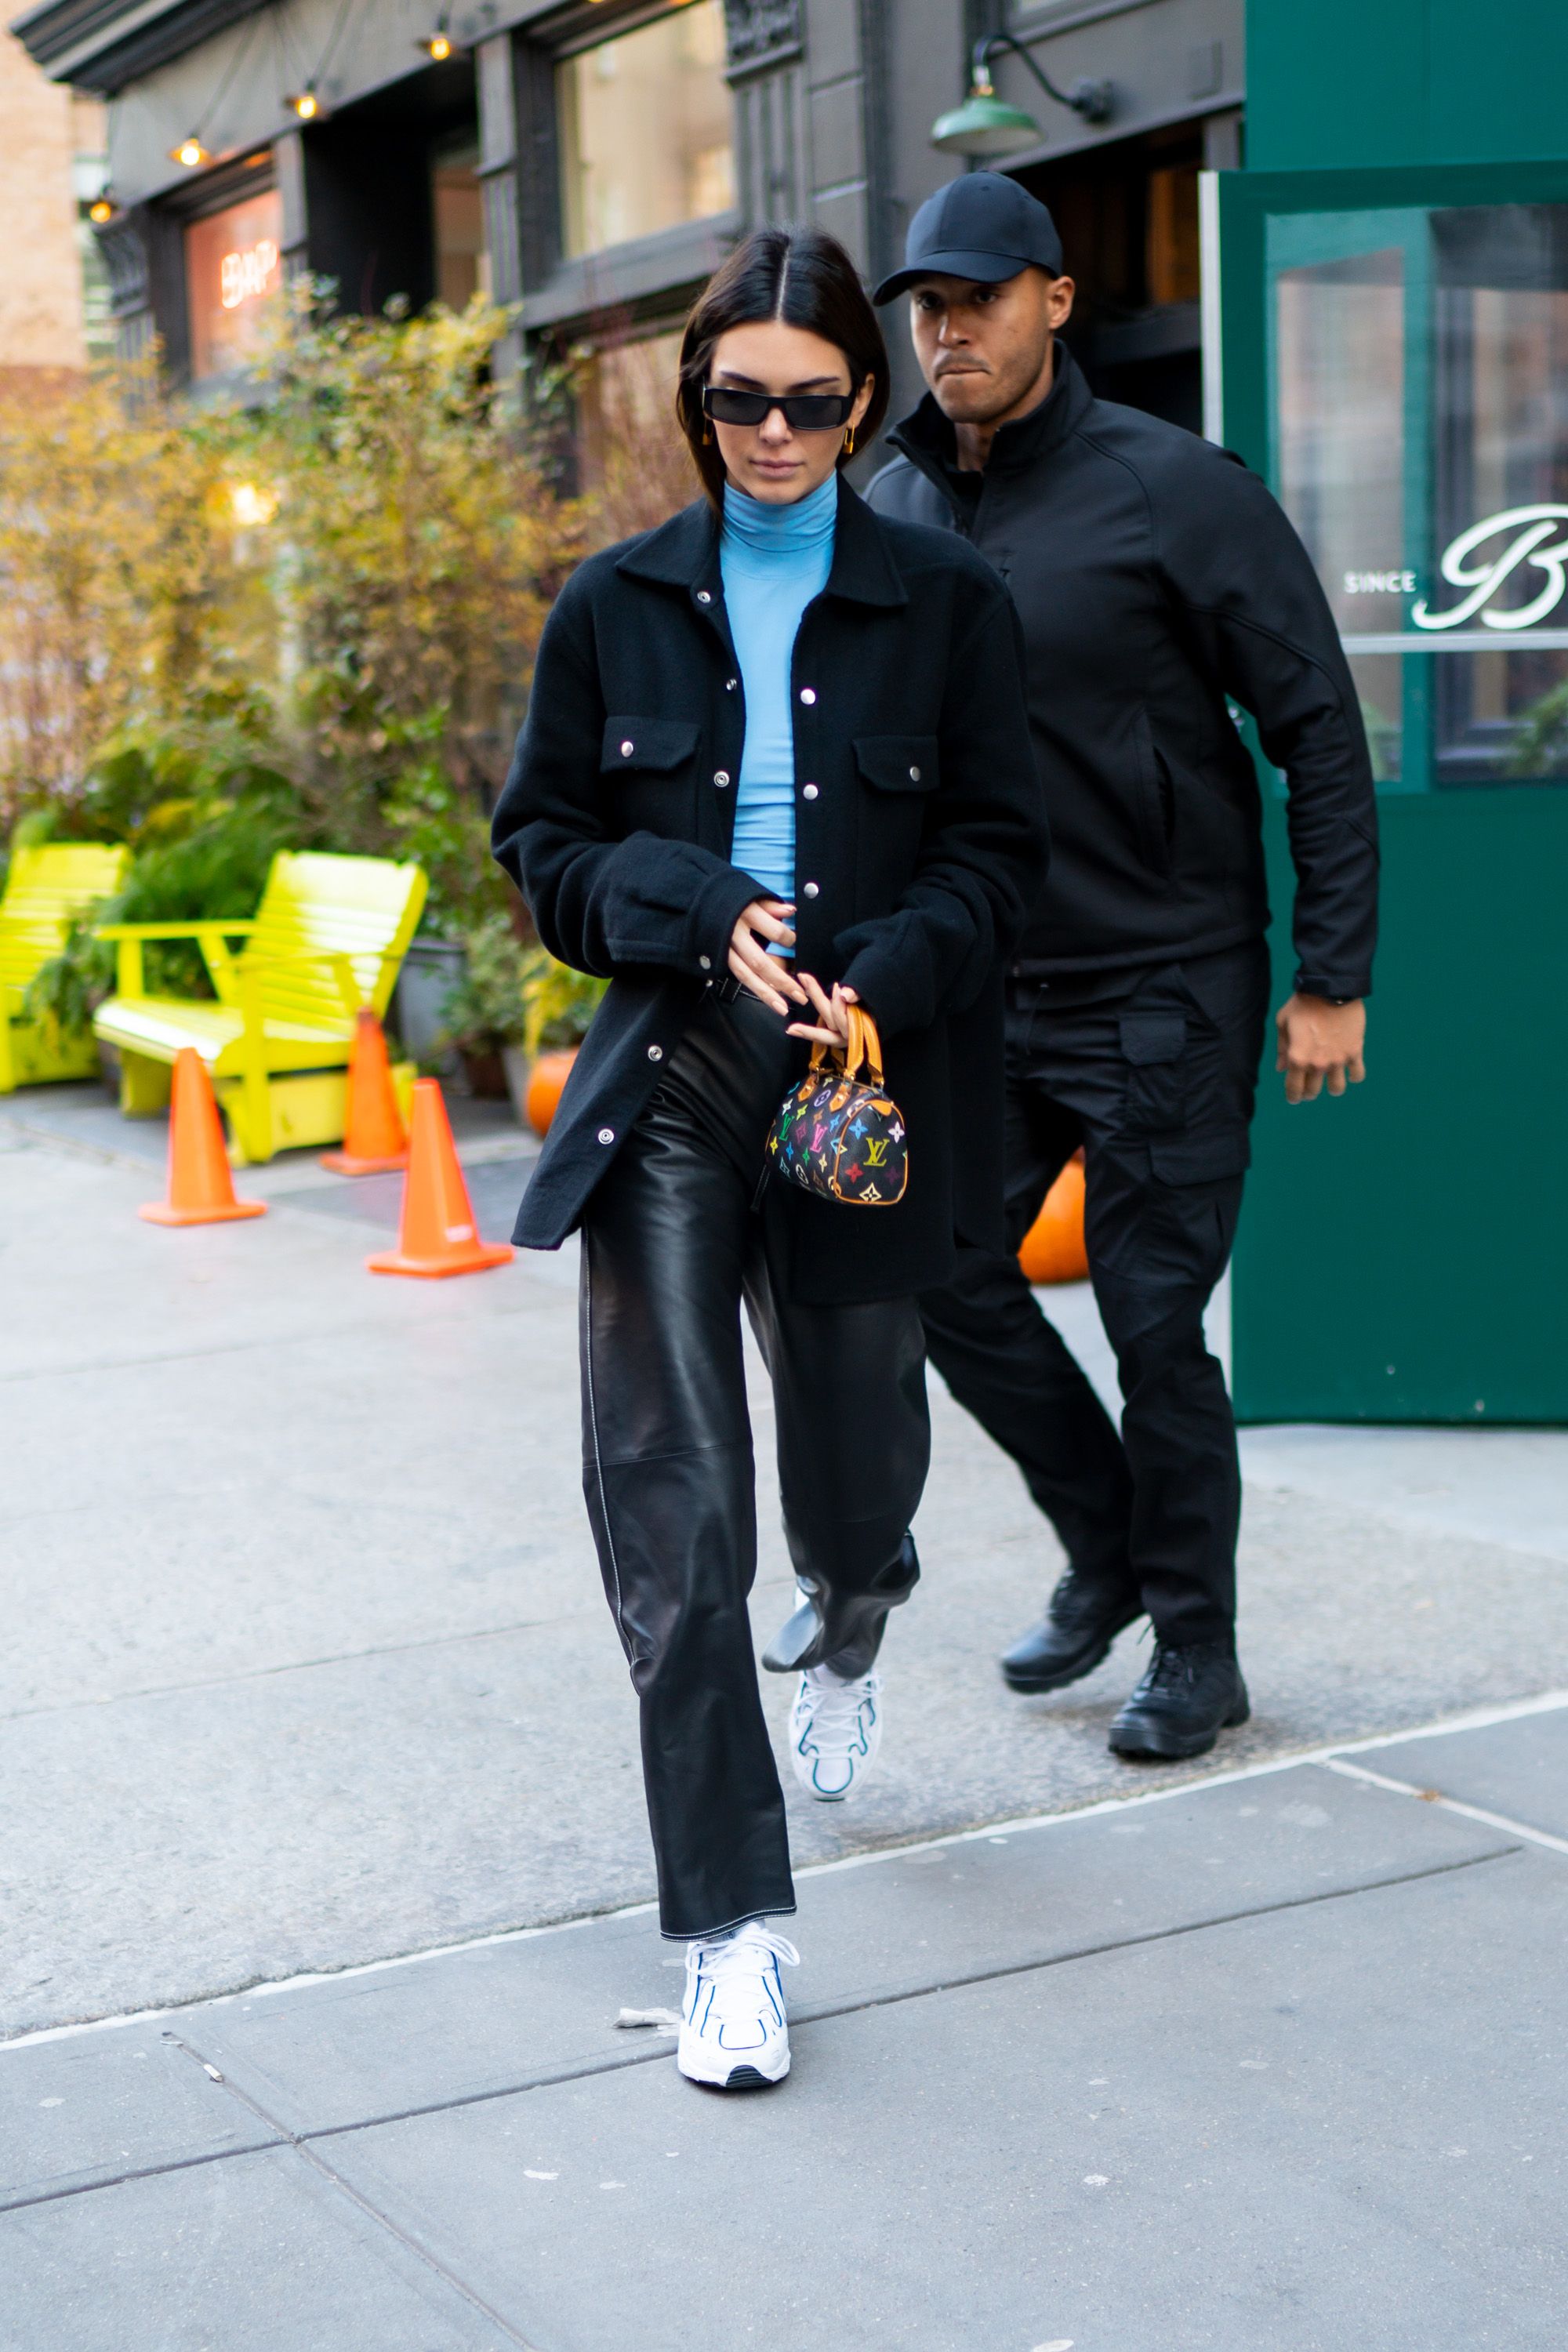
(676, 1235)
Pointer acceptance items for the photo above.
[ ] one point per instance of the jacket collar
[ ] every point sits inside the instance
(927, 438)
(684, 554)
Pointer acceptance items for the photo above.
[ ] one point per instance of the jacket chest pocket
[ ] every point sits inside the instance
(898, 773)
(654, 763)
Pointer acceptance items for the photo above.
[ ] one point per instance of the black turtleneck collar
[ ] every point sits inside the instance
(928, 439)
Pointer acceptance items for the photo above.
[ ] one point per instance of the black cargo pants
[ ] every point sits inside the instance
(1157, 1085)
(678, 1234)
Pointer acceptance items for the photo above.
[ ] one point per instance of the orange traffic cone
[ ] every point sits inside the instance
(374, 1140)
(201, 1189)
(436, 1234)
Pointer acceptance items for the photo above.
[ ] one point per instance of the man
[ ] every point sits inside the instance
(1157, 583)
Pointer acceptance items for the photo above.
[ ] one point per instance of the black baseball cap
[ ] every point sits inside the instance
(981, 225)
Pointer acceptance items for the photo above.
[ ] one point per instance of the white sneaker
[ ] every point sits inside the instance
(835, 1731)
(733, 2031)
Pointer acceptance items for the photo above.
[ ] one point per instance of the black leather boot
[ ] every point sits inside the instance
(1192, 1692)
(1082, 1619)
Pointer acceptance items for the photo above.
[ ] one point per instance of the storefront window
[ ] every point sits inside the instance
(1421, 420)
(637, 468)
(234, 274)
(645, 129)
(462, 264)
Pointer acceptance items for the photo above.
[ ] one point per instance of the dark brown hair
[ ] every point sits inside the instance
(803, 277)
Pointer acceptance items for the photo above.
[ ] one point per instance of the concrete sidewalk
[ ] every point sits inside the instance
(1273, 2065)
(305, 1641)
(305, 1668)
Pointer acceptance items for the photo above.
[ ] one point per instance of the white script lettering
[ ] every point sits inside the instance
(1483, 576)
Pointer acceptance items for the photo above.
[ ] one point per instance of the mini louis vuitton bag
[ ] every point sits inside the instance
(838, 1135)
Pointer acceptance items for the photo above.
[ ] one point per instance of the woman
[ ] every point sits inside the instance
(776, 763)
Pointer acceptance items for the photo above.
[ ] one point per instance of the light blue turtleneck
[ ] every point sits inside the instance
(774, 561)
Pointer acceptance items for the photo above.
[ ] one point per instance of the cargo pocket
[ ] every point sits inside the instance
(1206, 1159)
(1154, 1045)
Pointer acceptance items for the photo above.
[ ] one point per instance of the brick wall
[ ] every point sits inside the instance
(40, 279)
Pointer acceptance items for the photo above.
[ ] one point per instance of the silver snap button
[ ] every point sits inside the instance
(606, 1135)
(808, 793)
(706, 962)
(656, 1053)
(811, 891)
(730, 684)
(721, 776)
(626, 751)
(703, 597)
(808, 694)
(914, 775)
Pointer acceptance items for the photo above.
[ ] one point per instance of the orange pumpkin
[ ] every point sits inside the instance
(1053, 1247)
(549, 1075)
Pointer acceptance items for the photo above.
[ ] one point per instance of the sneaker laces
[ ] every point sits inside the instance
(835, 1705)
(732, 1966)
(1174, 1662)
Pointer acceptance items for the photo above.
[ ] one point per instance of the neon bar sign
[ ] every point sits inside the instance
(242, 276)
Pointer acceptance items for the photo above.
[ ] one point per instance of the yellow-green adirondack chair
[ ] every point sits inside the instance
(328, 937)
(46, 890)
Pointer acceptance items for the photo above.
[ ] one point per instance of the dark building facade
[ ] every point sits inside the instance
(592, 161)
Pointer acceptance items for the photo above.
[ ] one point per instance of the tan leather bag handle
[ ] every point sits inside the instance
(864, 1048)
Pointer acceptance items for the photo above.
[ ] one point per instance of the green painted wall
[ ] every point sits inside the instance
(1422, 1222)
(1333, 84)
(1404, 1253)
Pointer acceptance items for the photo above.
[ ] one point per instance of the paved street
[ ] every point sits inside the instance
(305, 1669)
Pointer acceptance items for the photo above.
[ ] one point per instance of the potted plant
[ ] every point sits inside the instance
(483, 1015)
(559, 1006)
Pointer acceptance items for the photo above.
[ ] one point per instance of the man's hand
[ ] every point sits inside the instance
(765, 976)
(1317, 1041)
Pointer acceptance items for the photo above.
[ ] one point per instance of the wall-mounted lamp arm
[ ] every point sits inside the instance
(1092, 100)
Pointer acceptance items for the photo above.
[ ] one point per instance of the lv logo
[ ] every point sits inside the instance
(877, 1153)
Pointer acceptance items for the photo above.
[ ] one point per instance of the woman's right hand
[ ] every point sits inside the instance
(764, 976)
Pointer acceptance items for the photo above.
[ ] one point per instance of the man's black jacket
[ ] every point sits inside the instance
(920, 844)
(1154, 576)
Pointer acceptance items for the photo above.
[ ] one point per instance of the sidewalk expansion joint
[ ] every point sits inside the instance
(138, 2172)
(1448, 1804)
(578, 2070)
(812, 2012)
(373, 2213)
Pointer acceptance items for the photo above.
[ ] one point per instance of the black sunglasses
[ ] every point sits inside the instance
(803, 412)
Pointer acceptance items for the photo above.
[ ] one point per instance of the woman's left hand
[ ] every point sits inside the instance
(832, 1014)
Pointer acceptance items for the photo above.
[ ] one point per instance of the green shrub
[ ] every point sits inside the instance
(559, 1003)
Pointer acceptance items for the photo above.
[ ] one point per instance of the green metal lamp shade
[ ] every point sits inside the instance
(986, 125)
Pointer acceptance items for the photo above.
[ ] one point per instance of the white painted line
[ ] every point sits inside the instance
(1448, 1804)
(1477, 1719)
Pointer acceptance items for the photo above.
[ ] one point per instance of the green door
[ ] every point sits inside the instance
(1395, 359)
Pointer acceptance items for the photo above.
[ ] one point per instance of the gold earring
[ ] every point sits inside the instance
(849, 443)
(707, 434)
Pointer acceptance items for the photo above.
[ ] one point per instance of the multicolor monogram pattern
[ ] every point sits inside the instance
(836, 1135)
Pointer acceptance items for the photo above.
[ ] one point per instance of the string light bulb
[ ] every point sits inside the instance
(307, 105)
(439, 46)
(101, 210)
(189, 152)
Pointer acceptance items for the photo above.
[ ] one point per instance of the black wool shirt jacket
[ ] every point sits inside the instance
(920, 843)
(1154, 576)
